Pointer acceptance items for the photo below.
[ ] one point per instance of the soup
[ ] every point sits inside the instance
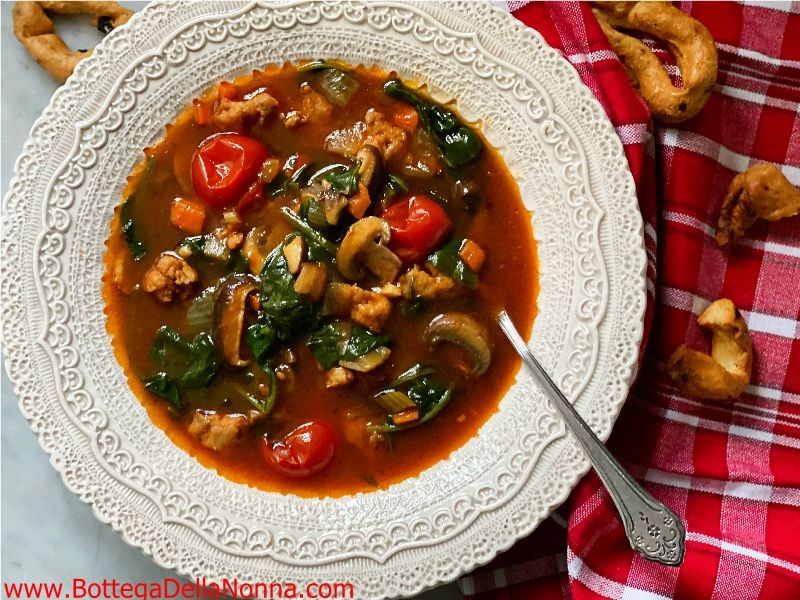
(303, 279)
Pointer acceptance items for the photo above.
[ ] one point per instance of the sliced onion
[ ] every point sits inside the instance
(337, 86)
(200, 314)
(346, 141)
(369, 361)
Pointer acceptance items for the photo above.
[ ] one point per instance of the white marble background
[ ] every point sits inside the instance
(46, 533)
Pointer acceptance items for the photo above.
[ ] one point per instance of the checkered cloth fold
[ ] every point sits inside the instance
(730, 469)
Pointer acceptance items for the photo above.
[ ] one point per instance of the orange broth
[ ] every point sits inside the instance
(508, 280)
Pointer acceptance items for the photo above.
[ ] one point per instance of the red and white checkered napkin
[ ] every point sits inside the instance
(731, 469)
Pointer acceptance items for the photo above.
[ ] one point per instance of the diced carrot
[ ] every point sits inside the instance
(409, 415)
(405, 117)
(202, 112)
(188, 215)
(227, 90)
(472, 255)
(359, 203)
(294, 163)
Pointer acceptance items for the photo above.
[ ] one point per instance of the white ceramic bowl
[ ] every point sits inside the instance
(426, 530)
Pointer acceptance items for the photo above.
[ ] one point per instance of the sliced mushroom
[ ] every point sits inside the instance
(295, 253)
(312, 281)
(382, 262)
(229, 312)
(255, 249)
(464, 331)
(370, 173)
(364, 245)
(332, 201)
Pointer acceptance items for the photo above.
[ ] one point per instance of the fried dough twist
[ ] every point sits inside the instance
(688, 40)
(725, 373)
(36, 31)
(760, 192)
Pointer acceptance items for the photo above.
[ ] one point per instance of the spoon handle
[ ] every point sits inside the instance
(652, 529)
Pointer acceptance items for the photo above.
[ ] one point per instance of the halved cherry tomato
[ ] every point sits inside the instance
(303, 452)
(225, 165)
(418, 225)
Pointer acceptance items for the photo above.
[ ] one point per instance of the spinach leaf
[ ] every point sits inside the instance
(207, 246)
(297, 178)
(412, 374)
(327, 344)
(310, 234)
(438, 197)
(339, 340)
(181, 364)
(278, 186)
(137, 248)
(413, 307)
(447, 261)
(425, 393)
(260, 337)
(203, 363)
(318, 65)
(431, 398)
(195, 244)
(162, 386)
(317, 253)
(288, 312)
(238, 262)
(345, 181)
(362, 341)
(457, 143)
(435, 407)
(164, 347)
(313, 212)
(265, 405)
(393, 186)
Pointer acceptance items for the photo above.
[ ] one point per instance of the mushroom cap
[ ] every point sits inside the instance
(359, 238)
(229, 310)
(464, 331)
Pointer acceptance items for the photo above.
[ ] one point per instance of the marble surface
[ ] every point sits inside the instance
(47, 534)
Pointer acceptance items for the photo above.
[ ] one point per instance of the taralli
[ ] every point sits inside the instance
(726, 372)
(761, 192)
(37, 33)
(688, 40)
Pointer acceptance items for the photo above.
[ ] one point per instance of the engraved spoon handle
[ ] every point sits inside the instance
(653, 530)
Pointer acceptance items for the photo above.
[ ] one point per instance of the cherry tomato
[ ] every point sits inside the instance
(418, 225)
(224, 166)
(303, 452)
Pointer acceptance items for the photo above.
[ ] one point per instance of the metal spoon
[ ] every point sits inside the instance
(653, 530)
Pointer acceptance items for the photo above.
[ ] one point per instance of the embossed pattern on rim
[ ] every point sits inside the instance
(423, 531)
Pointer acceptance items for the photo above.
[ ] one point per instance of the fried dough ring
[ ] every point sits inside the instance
(761, 192)
(725, 373)
(36, 31)
(688, 40)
